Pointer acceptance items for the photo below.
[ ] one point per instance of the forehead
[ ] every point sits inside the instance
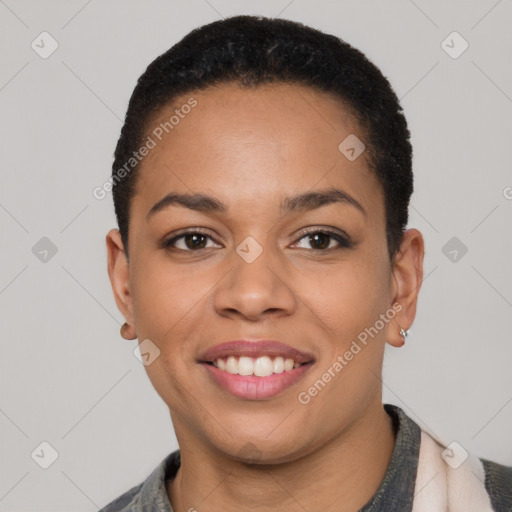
(253, 145)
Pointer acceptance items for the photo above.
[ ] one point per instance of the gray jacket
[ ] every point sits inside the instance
(395, 493)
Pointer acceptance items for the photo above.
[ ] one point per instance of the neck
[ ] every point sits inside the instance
(359, 456)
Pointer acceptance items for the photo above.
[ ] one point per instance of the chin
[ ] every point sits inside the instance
(263, 450)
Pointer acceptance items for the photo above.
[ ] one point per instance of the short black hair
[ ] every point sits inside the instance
(253, 50)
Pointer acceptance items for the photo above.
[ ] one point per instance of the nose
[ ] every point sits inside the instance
(256, 289)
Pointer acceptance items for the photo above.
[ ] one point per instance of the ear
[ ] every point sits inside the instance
(118, 272)
(407, 276)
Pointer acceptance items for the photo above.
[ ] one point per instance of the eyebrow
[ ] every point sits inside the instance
(298, 203)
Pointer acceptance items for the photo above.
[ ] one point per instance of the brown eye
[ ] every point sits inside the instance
(321, 240)
(190, 241)
(195, 241)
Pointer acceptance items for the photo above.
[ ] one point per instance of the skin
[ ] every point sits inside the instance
(250, 148)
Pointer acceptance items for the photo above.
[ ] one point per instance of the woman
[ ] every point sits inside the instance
(261, 186)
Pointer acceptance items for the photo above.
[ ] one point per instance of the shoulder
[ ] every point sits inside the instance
(498, 482)
(124, 502)
(151, 491)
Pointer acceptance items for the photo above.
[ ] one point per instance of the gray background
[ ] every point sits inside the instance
(66, 375)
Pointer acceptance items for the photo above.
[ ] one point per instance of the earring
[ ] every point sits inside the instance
(404, 334)
(124, 334)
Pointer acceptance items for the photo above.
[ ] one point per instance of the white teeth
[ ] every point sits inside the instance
(288, 365)
(260, 367)
(245, 366)
(278, 365)
(232, 365)
(263, 366)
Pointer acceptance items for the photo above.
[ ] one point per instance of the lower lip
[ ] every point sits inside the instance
(251, 387)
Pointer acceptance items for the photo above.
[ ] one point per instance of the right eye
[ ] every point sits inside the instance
(191, 241)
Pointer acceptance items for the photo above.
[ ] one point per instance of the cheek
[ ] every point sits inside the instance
(166, 304)
(349, 303)
(166, 297)
(347, 298)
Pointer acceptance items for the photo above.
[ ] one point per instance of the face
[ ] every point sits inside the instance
(290, 246)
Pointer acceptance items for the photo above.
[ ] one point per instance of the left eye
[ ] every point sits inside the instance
(322, 239)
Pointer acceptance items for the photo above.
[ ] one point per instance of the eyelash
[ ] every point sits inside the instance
(344, 241)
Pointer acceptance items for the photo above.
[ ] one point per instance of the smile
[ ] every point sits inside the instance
(255, 370)
(260, 367)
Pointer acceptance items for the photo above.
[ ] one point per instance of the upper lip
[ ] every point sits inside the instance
(258, 348)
